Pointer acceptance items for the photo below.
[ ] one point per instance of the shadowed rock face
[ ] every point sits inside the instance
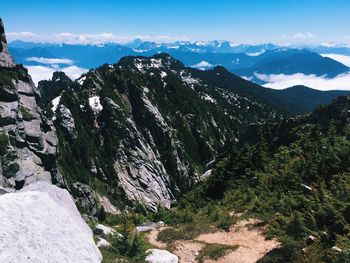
(27, 139)
(5, 58)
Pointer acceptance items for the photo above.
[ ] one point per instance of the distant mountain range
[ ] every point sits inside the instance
(244, 60)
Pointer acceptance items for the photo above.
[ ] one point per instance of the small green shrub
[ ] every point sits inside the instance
(214, 251)
(182, 232)
(4, 142)
(27, 116)
(225, 222)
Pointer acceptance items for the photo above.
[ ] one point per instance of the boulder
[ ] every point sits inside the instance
(41, 223)
(336, 249)
(102, 242)
(310, 240)
(161, 256)
(104, 230)
(149, 226)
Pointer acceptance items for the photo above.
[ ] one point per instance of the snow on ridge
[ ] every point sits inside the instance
(203, 65)
(206, 97)
(81, 80)
(142, 64)
(95, 103)
(188, 79)
(255, 54)
(55, 103)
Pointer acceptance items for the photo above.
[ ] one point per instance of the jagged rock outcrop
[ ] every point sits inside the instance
(50, 89)
(5, 58)
(28, 139)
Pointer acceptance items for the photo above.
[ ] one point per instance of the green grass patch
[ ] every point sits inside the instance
(214, 251)
(183, 232)
(27, 116)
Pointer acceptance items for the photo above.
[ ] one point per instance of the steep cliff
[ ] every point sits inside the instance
(28, 141)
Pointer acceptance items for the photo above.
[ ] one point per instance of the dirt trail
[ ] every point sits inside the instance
(187, 251)
(246, 234)
(249, 237)
(152, 238)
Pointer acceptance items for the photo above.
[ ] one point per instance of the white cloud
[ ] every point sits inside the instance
(203, 65)
(328, 44)
(255, 54)
(20, 35)
(51, 60)
(45, 72)
(282, 81)
(299, 35)
(85, 39)
(341, 58)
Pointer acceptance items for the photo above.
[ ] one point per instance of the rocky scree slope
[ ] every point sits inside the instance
(28, 141)
(146, 127)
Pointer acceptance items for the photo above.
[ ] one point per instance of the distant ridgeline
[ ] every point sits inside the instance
(243, 60)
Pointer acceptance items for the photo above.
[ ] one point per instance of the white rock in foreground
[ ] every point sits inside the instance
(161, 256)
(41, 223)
(104, 230)
(103, 242)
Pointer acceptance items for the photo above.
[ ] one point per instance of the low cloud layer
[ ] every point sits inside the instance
(282, 81)
(49, 61)
(45, 72)
(341, 58)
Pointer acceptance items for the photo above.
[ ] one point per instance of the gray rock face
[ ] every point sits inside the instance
(140, 173)
(85, 197)
(66, 120)
(5, 58)
(28, 141)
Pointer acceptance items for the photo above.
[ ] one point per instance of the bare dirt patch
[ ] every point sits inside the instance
(152, 238)
(248, 236)
(187, 251)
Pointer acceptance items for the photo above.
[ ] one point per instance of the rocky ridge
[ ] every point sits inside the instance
(28, 139)
(147, 127)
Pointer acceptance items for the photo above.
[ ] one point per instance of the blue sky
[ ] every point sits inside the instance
(255, 21)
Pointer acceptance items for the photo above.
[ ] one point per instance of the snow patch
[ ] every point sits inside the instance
(203, 65)
(55, 103)
(255, 54)
(206, 97)
(81, 80)
(95, 103)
